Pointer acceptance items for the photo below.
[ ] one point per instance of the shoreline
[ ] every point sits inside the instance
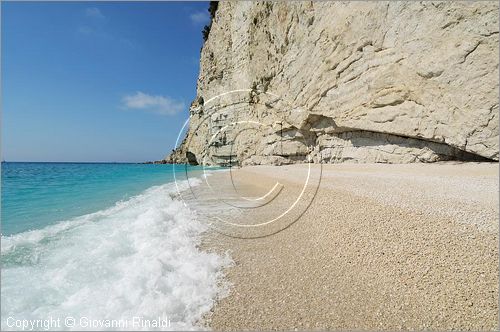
(412, 246)
(140, 253)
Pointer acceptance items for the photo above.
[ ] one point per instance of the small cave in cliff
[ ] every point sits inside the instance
(191, 159)
(374, 147)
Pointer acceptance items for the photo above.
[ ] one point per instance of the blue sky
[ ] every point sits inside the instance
(94, 81)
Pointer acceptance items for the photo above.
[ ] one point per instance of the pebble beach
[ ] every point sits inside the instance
(380, 247)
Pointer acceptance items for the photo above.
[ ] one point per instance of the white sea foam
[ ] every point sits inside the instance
(139, 258)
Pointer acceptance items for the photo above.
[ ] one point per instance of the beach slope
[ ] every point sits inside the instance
(380, 247)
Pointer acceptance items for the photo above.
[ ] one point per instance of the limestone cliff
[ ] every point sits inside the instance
(330, 82)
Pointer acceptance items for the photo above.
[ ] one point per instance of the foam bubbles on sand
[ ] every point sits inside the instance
(139, 258)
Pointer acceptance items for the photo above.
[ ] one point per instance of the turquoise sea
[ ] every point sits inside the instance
(103, 242)
(35, 195)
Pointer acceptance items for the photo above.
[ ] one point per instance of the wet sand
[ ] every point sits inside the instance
(381, 247)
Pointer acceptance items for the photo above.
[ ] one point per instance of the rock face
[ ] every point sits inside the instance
(393, 82)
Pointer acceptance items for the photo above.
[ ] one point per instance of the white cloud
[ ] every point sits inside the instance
(95, 27)
(200, 18)
(85, 30)
(94, 13)
(155, 104)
